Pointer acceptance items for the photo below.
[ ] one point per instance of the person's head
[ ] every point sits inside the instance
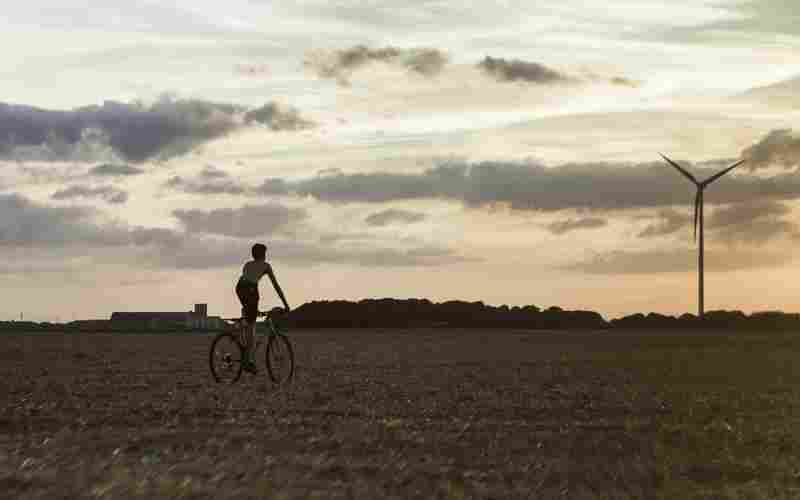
(259, 251)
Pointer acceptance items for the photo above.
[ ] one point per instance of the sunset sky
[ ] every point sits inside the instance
(503, 151)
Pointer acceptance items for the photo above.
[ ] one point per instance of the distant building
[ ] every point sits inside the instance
(198, 319)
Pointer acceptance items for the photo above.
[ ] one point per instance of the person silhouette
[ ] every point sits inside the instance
(247, 291)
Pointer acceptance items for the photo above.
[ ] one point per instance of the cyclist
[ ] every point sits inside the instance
(247, 291)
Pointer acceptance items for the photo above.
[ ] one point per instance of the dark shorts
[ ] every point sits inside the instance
(248, 296)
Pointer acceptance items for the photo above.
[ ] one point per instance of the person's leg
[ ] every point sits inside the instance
(249, 315)
(244, 299)
(254, 317)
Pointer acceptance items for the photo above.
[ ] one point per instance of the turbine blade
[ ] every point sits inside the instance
(717, 176)
(696, 213)
(680, 169)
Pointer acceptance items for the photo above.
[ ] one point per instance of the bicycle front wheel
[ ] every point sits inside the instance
(280, 359)
(225, 358)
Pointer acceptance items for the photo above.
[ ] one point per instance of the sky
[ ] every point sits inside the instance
(504, 152)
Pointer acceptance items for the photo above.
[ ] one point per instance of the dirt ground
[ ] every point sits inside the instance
(370, 414)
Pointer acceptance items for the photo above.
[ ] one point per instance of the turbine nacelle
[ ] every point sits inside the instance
(701, 185)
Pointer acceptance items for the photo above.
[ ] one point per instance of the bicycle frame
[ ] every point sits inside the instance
(258, 338)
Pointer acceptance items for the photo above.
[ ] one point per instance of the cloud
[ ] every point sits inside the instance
(428, 62)
(163, 238)
(340, 64)
(532, 186)
(132, 132)
(750, 222)
(212, 172)
(505, 70)
(565, 226)
(246, 222)
(26, 225)
(675, 261)
(524, 185)
(393, 216)
(754, 223)
(759, 232)
(129, 132)
(215, 252)
(115, 170)
(670, 222)
(108, 193)
(273, 186)
(739, 214)
(210, 181)
(780, 147)
(278, 117)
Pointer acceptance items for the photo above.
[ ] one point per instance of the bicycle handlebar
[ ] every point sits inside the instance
(261, 314)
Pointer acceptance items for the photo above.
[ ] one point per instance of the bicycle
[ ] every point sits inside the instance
(227, 351)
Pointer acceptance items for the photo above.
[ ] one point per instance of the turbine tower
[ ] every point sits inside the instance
(698, 219)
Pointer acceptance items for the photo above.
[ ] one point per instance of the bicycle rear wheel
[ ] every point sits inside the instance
(225, 358)
(280, 359)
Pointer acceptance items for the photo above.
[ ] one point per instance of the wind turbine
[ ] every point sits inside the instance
(698, 219)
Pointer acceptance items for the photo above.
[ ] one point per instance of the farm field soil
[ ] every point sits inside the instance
(404, 414)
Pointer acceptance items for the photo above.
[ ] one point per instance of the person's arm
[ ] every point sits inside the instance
(277, 287)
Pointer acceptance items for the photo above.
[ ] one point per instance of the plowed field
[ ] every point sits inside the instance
(383, 414)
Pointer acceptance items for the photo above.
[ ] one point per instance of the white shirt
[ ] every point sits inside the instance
(254, 270)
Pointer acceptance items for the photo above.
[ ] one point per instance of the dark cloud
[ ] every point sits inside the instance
(210, 181)
(393, 216)
(128, 132)
(753, 223)
(428, 62)
(220, 253)
(526, 186)
(133, 132)
(780, 147)
(758, 232)
(273, 187)
(245, 222)
(26, 225)
(418, 257)
(163, 238)
(369, 187)
(108, 193)
(746, 213)
(749, 222)
(278, 117)
(340, 64)
(212, 172)
(505, 70)
(677, 260)
(532, 186)
(115, 170)
(669, 222)
(565, 226)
